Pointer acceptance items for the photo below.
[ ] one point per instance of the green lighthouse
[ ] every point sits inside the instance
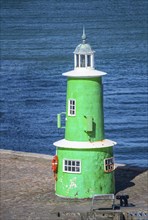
(84, 163)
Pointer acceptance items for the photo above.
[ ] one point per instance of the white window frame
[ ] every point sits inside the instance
(70, 166)
(109, 165)
(71, 107)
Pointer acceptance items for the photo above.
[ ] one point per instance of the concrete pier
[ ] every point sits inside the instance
(27, 192)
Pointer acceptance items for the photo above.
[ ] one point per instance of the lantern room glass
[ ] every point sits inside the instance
(82, 60)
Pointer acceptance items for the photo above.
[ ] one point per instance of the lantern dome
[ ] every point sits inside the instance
(83, 54)
(83, 49)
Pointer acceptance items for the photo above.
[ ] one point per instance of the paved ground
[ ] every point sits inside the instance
(27, 188)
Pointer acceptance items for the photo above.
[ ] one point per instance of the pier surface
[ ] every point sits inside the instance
(27, 191)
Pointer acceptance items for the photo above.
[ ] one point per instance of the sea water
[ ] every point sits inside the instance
(38, 38)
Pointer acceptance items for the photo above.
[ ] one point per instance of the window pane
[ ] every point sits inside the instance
(73, 163)
(77, 169)
(77, 163)
(69, 168)
(69, 162)
(88, 60)
(73, 169)
(82, 60)
(77, 60)
(65, 162)
(65, 168)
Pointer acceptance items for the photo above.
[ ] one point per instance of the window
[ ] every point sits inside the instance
(109, 165)
(88, 60)
(82, 60)
(71, 166)
(77, 60)
(72, 107)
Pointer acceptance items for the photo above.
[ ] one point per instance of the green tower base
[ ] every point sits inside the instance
(91, 178)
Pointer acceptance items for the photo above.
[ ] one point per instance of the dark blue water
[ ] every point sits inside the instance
(38, 38)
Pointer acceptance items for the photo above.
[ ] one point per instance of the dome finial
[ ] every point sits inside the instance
(84, 35)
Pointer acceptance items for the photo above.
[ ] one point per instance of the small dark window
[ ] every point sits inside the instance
(72, 107)
(77, 60)
(82, 60)
(88, 60)
(109, 164)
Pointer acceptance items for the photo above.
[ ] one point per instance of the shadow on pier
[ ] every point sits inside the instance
(124, 176)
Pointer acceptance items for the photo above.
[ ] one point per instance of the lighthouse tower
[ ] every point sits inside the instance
(84, 163)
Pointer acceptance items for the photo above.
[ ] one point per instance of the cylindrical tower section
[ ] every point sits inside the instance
(86, 176)
(84, 109)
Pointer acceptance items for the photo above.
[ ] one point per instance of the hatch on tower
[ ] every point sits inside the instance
(83, 54)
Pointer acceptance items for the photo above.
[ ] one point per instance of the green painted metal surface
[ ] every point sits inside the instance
(59, 120)
(92, 179)
(88, 124)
